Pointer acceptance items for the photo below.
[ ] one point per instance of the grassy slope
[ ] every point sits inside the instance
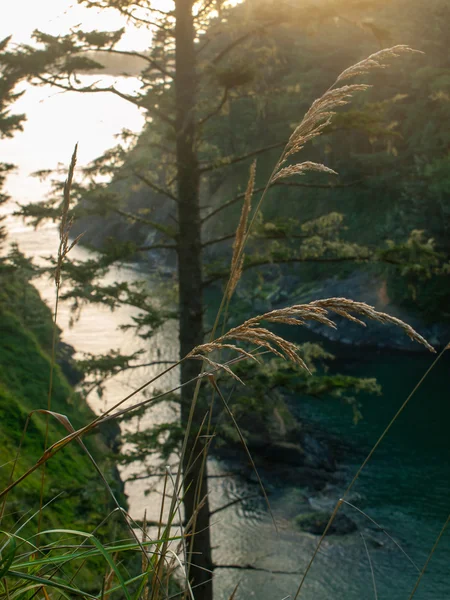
(25, 342)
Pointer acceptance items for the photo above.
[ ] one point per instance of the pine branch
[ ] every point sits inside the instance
(289, 260)
(157, 247)
(320, 186)
(217, 110)
(163, 13)
(265, 236)
(243, 38)
(227, 204)
(154, 186)
(112, 90)
(148, 59)
(130, 15)
(158, 226)
(225, 162)
(229, 236)
(206, 43)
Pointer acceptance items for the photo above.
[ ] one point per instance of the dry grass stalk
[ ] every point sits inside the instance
(313, 124)
(66, 222)
(321, 111)
(320, 311)
(378, 60)
(216, 365)
(145, 561)
(241, 231)
(300, 169)
(63, 250)
(211, 347)
(319, 116)
(345, 308)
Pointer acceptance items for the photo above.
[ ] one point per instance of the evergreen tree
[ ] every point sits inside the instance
(9, 123)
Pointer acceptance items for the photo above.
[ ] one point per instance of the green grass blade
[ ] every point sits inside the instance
(92, 552)
(108, 558)
(34, 586)
(49, 583)
(7, 558)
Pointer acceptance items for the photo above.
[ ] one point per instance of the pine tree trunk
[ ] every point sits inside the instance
(190, 287)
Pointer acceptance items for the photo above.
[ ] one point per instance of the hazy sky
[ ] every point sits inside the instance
(55, 121)
(21, 17)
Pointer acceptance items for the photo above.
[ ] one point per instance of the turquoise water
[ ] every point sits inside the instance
(406, 485)
(405, 488)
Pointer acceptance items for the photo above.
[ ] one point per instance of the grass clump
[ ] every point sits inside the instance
(75, 496)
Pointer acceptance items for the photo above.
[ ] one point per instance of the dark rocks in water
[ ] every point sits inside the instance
(316, 522)
(307, 477)
(308, 452)
(309, 464)
(366, 287)
(279, 452)
(65, 359)
(110, 430)
(318, 453)
(286, 450)
(312, 467)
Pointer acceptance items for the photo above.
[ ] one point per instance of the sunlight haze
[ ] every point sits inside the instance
(58, 16)
(93, 119)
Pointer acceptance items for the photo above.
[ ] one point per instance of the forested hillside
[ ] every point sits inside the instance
(391, 151)
(72, 493)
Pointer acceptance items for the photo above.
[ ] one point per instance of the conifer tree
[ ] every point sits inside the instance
(9, 123)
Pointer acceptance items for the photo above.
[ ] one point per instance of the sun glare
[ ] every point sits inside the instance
(57, 17)
(94, 121)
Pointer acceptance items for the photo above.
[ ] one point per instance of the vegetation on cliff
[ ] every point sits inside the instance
(71, 494)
